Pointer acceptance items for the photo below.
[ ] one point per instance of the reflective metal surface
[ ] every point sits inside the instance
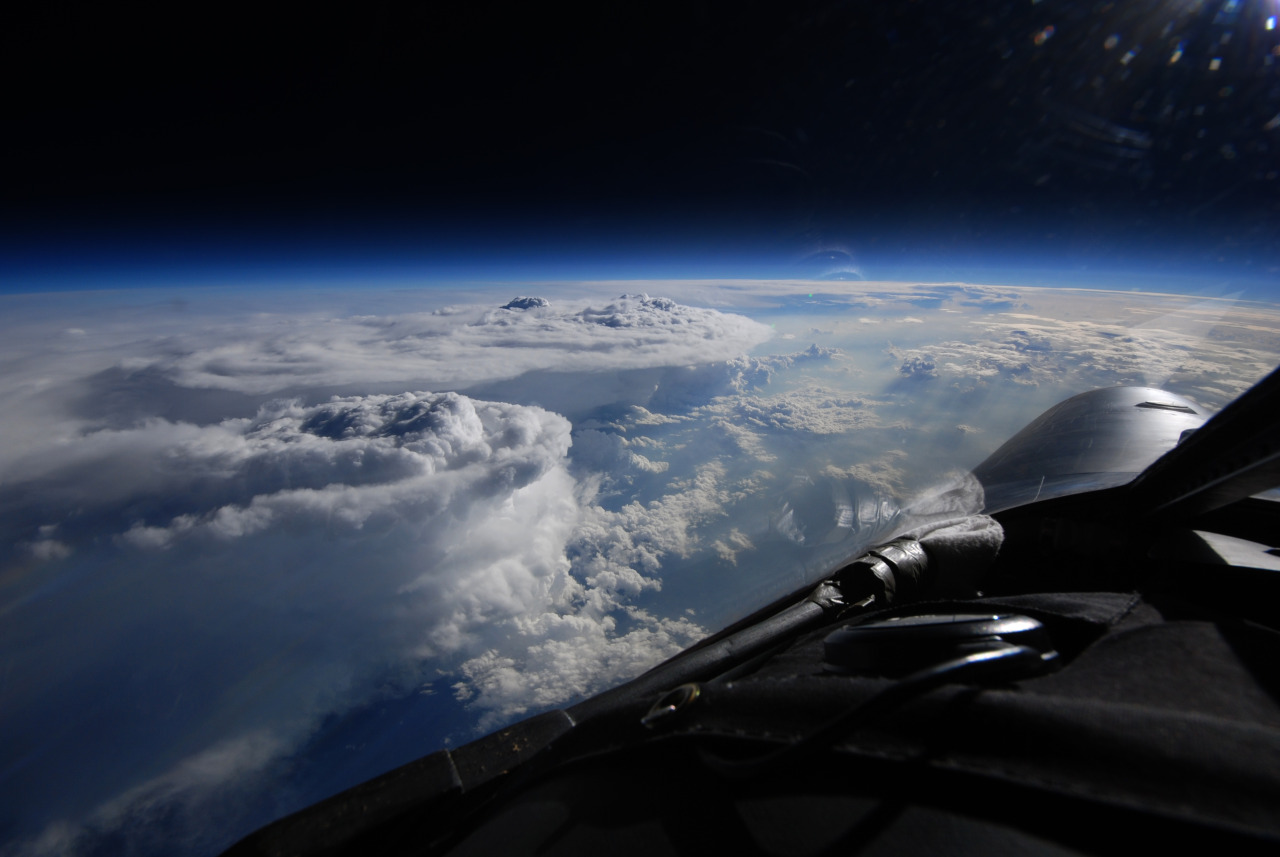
(1094, 440)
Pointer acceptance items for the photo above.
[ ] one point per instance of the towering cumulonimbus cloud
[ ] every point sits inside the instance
(322, 548)
(325, 555)
(459, 347)
(352, 460)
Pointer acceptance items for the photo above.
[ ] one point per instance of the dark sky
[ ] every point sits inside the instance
(862, 124)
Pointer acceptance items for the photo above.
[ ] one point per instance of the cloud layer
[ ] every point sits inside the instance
(1032, 350)
(458, 347)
